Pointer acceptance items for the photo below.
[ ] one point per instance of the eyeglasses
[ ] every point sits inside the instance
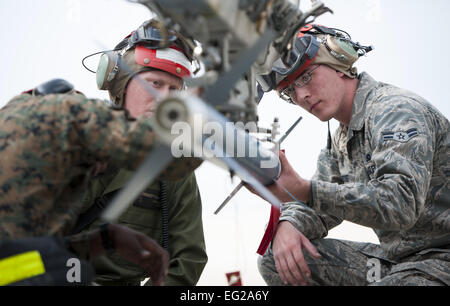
(288, 93)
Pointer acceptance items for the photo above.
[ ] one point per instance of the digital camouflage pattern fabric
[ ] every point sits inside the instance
(347, 263)
(49, 147)
(389, 170)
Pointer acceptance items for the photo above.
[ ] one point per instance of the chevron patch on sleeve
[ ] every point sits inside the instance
(400, 136)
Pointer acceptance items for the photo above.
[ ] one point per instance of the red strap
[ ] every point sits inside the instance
(270, 230)
(30, 91)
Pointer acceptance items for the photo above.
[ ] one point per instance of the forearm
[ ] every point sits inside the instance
(88, 245)
(307, 221)
(387, 204)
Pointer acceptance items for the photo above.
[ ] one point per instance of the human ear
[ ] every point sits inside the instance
(340, 74)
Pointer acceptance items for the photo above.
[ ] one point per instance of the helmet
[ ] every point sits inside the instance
(148, 48)
(314, 44)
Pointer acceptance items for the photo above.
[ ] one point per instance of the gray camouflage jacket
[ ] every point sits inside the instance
(388, 170)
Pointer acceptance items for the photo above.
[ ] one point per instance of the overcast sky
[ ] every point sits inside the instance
(46, 39)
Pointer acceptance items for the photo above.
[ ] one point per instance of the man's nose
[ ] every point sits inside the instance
(164, 92)
(302, 95)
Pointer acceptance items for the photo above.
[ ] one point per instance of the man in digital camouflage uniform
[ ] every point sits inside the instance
(387, 168)
(53, 141)
(50, 145)
(168, 211)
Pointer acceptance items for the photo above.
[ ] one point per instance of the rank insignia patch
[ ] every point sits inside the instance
(400, 136)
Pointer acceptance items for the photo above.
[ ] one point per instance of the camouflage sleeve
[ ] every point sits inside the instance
(106, 134)
(401, 140)
(82, 130)
(186, 238)
(110, 136)
(310, 223)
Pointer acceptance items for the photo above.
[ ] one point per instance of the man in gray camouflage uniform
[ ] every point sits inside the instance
(387, 168)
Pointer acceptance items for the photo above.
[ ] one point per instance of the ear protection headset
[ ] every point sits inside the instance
(305, 50)
(154, 47)
(108, 67)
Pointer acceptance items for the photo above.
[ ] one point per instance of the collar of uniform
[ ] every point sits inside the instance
(365, 86)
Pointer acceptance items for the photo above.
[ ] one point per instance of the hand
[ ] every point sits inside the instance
(288, 245)
(141, 250)
(291, 181)
(99, 168)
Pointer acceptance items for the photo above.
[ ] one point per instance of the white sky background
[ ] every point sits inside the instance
(45, 39)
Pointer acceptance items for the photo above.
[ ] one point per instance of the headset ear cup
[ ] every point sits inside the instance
(106, 66)
(348, 54)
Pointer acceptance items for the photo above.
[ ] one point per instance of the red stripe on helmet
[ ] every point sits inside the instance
(147, 57)
(304, 30)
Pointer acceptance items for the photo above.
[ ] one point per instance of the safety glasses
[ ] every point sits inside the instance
(288, 94)
(151, 37)
(302, 54)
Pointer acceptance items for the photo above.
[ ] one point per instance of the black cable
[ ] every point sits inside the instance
(329, 138)
(90, 55)
(164, 215)
(339, 30)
